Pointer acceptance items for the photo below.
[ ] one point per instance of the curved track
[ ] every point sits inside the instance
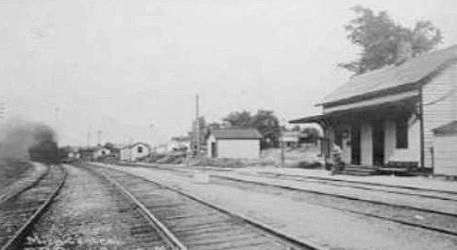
(191, 223)
(19, 212)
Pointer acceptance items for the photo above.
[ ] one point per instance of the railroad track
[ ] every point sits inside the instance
(19, 212)
(386, 188)
(428, 219)
(23, 183)
(93, 213)
(425, 218)
(187, 222)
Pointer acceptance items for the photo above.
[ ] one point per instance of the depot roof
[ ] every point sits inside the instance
(410, 72)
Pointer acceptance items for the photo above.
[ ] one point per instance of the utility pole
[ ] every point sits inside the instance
(88, 139)
(197, 125)
(99, 134)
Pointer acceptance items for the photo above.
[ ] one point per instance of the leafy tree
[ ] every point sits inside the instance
(383, 41)
(268, 125)
(109, 146)
(264, 121)
(239, 119)
(312, 132)
(203, 132)
(296, 128)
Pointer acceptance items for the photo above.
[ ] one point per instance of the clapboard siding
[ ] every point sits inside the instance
(446, 154)
(439, 98)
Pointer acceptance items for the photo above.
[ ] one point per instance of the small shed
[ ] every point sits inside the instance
(135, 151)
(234, 143)
(100, 152)
(445, 150)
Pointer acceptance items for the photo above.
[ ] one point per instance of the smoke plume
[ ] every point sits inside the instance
(17, 136)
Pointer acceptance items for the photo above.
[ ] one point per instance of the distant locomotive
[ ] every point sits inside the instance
(45, 152)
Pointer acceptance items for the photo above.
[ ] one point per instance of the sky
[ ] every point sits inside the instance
(131, 69)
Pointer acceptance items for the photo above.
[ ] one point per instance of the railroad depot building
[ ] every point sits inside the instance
(234, 143)
(134, 151)
(394, 114)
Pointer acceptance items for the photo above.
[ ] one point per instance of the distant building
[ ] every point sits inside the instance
(134, 152)
(390, 115)
(180, 143)
(87, 153)
(293, 139)
(101, 152)
(234, 143)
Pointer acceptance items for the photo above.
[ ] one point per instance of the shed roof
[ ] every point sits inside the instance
(135, 144)
(249, 133)
(391, 77)
(446, 129)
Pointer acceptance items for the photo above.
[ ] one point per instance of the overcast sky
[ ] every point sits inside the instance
(121, 65)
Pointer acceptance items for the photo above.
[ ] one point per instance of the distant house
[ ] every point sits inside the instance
(388, 115)
(234, 143)
(101, 152)
(86, 153)
(180, 143)
(134, 152)
(293, 139)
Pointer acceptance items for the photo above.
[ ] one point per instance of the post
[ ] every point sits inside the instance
(88, 139)
(99, 139)
(282, 149)
(197, 125)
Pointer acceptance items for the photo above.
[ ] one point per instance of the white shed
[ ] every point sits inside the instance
(135, 151)
(101, 152)
(445, 149)
(234, 143)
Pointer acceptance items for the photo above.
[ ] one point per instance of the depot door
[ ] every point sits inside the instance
(378, 143)
(213, 149)
(355, 144)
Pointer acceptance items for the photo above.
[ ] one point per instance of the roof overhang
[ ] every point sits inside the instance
(374, 103)
(382, 106)
(309, 119)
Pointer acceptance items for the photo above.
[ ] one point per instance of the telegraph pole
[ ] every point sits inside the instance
(197, 125)
(88, 139)
(99, 134)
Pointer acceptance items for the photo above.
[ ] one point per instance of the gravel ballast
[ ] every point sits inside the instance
(89, 214)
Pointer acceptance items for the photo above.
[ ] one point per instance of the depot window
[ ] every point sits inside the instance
(402, 132)
(140, 149)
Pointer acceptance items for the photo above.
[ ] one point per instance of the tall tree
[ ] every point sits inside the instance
(268, 125)
(240, 119)
(385, 42)
(203, 131)
(264, 121)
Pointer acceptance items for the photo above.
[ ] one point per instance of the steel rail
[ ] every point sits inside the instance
(282, 236)
(5, 197)
(164, 232)
(431, 228)
(359, 182)
(18, 237)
